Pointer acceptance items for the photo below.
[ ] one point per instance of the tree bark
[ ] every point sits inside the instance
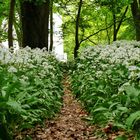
(10, 23)
(17, 24)
(51, 25)
(135, 9)
(77, 43)
(114, 28)
(117, 28)
(122, 18)
(35, 20)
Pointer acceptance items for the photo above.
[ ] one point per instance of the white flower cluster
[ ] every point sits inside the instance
(30, 84)
(22, 56)
(107, 81)
(119, 52)
(37, 60)
(125, 52)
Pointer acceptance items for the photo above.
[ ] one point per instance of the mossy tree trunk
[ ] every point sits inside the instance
(77, 43)
(10, 23)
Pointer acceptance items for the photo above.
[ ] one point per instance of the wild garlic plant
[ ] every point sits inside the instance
(30, 87)
(107, 81)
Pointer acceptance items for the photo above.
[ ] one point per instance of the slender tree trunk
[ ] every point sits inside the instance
(77, 43)
(51, 25)
(17, 25)
(114, 28)
(135, 8)
(122, 18)
(10, 23)
(117, 27)
(35, 21)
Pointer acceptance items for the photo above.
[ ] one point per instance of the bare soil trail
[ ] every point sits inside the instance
(68, 125)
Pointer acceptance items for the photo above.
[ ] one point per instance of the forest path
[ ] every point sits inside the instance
(68, 125)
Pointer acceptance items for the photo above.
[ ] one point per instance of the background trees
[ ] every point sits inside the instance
(101, 21)
(10, 23)
(85, 22)
(4, 10)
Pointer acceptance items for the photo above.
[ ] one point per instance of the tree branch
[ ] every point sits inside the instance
(123, 16)
(86, 38)
(95, 33)
(92, 41)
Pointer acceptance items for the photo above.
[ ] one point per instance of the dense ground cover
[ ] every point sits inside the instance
(30, 89)
(107, 81)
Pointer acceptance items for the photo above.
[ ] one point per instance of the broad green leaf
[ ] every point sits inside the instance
(132, 120)
(100, 109)
(121, 138)
(15, 106)
(123, 109)
(132, 91)
(113, 105)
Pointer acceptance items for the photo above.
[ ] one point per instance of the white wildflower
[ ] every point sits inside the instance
(133, 68)
(12, 69)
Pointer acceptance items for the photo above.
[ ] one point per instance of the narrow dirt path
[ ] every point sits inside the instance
(68, 125)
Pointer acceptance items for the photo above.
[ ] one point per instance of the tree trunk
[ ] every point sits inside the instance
(114, 28)
(10, 23)
(51, 25)
(35, 20)
(17, 24)
(117, 28)
(136, 17)
(77, 44)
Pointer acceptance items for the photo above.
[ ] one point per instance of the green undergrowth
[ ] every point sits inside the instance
(106, 79)
(30, 89)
